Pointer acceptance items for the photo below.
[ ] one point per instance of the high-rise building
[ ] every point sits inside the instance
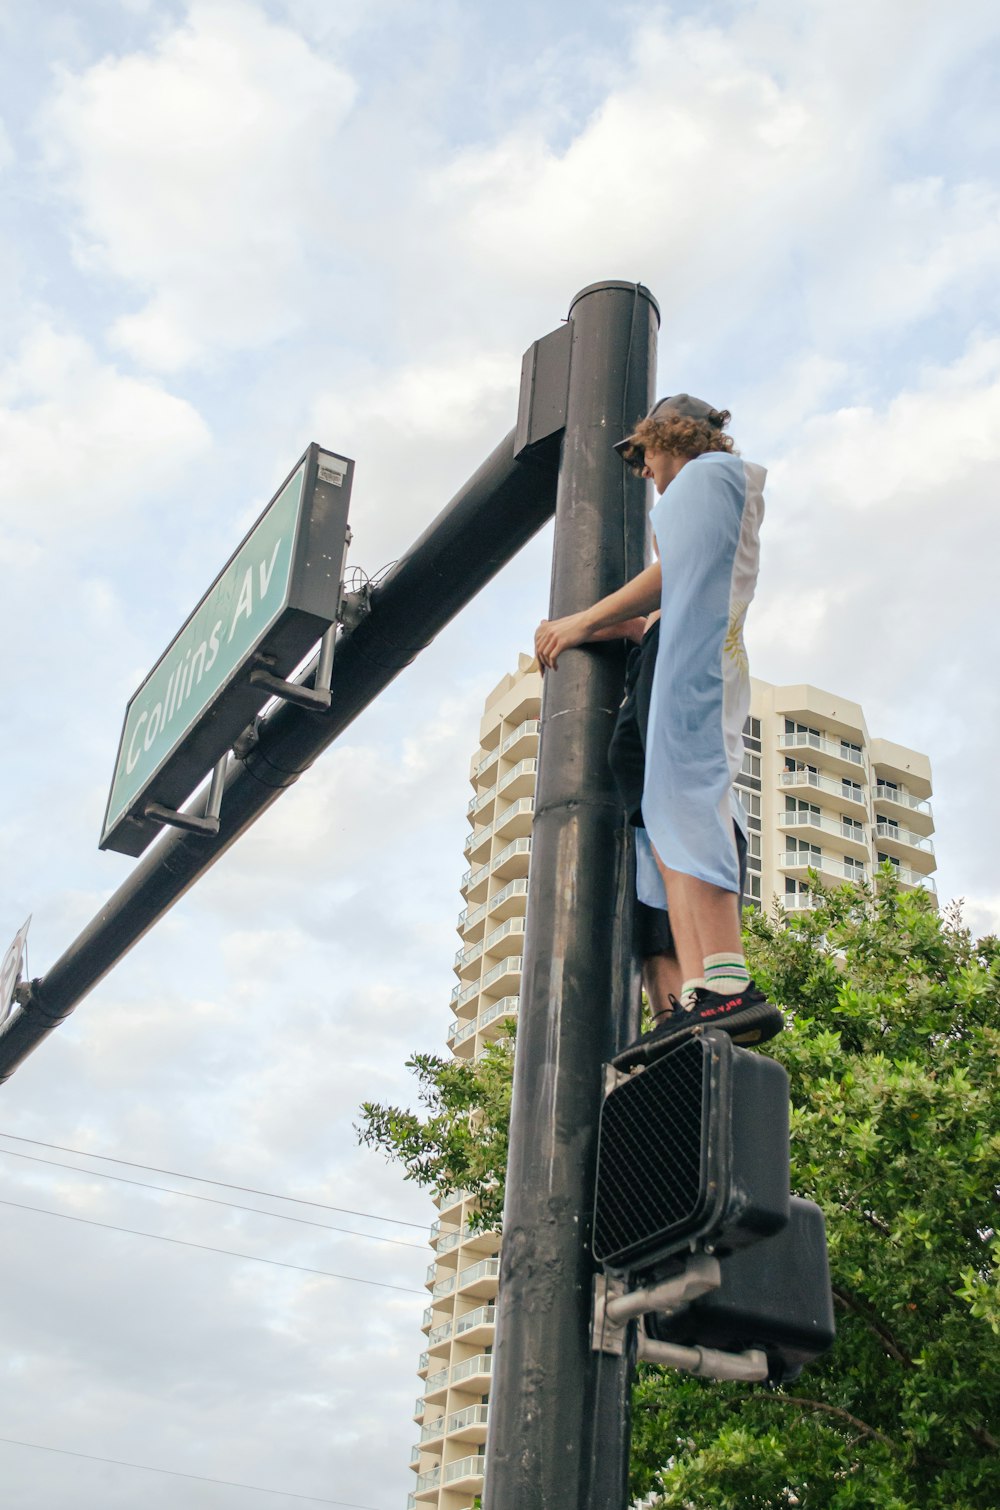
(819, 793)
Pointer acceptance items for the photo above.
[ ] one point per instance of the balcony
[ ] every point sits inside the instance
(481, 1278)
(411, 1502)
(522, 739)
(477, 845)
(443, 1287)
(899, 803)
(436, 1383)
(484, 762)
(433, 1432)
(839, 757)
(477, 1325)
(515, 820)
(904, 844)
(506, 939)
(826, 787)
(799, 860)
(427, 1481)
(512, 860)
(467, 1473)
(460, 1033)
(474, 880)
(798, 901)
(818, 826)
(519, 781)
(474, 1373)
(423, 1363)
(469, 1424)
(418, 1408)
(508, 972)
(909, 879)
(477, 803)
(439, 1334)
(504, 903)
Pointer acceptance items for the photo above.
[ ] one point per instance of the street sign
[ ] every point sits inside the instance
(277, 595)
(10, 970)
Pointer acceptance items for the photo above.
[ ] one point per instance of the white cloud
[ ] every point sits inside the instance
(80, 439)
(211, 199)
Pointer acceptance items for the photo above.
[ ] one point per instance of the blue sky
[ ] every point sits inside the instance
(228, 228)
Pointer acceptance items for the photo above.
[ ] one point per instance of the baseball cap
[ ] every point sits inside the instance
(678, 403)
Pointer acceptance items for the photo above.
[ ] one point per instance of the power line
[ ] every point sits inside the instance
(201, 1478)
(179, 1174)
(189, 1195)
(182, 1242)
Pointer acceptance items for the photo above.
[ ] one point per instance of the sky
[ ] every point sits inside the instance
(231, 227)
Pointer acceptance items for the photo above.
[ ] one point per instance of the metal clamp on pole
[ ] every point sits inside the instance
(615, 1305)
(316, 697)
(207, 823)
(705, 1362)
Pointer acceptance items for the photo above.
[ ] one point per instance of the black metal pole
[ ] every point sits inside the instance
(559, 1433)
(497, 511)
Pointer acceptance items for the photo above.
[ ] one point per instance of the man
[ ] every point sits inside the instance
(706, 526)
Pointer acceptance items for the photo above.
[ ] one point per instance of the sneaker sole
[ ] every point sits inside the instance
(754, 1025)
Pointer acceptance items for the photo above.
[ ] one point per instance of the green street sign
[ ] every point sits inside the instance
(276, 596)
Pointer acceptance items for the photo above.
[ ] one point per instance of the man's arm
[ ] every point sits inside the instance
(638, 597)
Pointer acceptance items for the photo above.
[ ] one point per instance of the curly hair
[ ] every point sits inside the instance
(680, 435)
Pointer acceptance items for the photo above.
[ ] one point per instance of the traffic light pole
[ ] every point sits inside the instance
(559, 1413)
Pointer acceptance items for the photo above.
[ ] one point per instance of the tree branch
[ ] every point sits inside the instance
(872, 1324)
(829, 1410)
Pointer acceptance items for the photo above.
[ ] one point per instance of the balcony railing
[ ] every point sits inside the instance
(509, 966)
(481, 1316)
(460, 1032)
(480, 801)
(833, 747)
(481, 1364)
(490, 755)
(884, 793)
(435, 1381)
(798, 859)
(434, 1429)
(798, 901)
(471, 878)
(530, 726)
(523, 768)
(428, 1480)
(487, 1268)
(822, 784)
(828, 825)
(904, 836)
(465, 1468)
(472, 1415)
(443, 1287)
(907, 877)
(440, 1333)
(469, 917)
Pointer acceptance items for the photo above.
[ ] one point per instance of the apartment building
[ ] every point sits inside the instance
(819, 793)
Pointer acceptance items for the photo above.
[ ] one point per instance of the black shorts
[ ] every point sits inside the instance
(627, 750)
(627, 759)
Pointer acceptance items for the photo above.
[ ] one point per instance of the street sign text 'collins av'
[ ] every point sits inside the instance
(278, 594)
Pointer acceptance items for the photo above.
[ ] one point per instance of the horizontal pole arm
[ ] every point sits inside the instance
(487, 522)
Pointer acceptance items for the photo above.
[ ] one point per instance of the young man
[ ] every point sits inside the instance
(706, 526)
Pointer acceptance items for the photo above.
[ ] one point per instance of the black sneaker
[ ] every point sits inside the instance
(747, 1016)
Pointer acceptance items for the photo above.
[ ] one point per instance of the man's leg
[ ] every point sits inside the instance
(661, 978)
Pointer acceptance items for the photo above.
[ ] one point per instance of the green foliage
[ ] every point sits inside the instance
(892, 1053)
(461, 1144)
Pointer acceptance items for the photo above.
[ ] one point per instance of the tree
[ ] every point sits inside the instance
(892, 1054)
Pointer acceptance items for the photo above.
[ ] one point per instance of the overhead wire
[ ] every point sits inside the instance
(176, 1473)
(190, 1195)
(179, 1174)
(182, 1242)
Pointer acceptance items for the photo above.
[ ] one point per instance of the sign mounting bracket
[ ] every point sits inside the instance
(208, 823)
(316, 697)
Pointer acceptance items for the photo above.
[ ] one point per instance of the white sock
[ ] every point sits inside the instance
(688, 989)
(726, 972)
